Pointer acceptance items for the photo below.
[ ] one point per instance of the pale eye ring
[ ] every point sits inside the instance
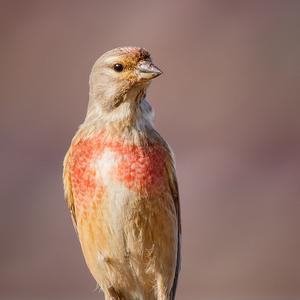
(118, 67)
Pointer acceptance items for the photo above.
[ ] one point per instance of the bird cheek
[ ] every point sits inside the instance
(132, 80)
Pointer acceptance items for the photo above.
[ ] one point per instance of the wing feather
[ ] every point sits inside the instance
(174, 190)
(68, 189)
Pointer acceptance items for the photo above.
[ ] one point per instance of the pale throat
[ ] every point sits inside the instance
(130, 111)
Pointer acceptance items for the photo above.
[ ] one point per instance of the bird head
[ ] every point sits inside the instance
(118, 81)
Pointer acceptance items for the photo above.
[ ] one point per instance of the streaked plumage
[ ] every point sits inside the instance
(121, 186)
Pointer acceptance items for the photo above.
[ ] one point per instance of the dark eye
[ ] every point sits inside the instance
(118, 67)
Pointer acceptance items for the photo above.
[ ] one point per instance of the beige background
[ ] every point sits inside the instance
(228, 103)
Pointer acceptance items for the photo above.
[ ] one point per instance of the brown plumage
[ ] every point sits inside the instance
(121, 186)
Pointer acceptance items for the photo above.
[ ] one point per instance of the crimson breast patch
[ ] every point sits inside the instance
(139, 168)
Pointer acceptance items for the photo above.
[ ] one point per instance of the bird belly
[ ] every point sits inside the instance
(129, 238)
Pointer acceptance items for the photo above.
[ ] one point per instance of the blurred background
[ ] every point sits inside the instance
(228, 104)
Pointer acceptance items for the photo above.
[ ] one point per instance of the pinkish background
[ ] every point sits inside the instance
(228, 103)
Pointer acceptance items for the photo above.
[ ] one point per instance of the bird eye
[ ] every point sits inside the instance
(118, 67)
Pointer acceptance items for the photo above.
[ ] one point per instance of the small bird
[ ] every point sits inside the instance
(120, 184)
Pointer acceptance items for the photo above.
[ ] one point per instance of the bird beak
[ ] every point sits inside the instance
(147, 70)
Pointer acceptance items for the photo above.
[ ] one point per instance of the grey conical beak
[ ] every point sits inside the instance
(147, 70)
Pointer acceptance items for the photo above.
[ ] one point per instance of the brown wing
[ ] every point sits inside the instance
(170, 168)
(174, 189)
(68, 189)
